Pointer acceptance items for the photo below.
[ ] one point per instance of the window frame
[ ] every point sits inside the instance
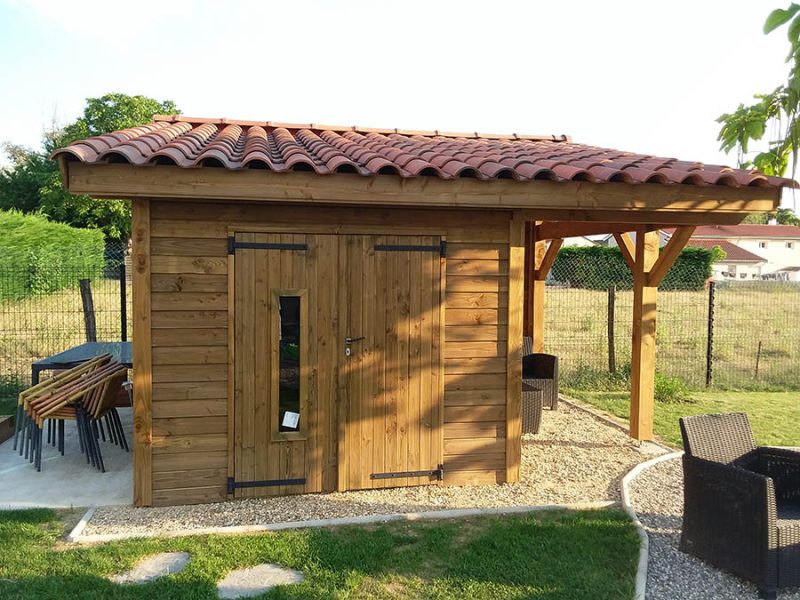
(276, 435)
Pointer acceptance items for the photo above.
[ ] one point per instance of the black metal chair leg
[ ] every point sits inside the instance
(121, 430)
(112, 430)
(39, 448)
(23, 430)
(99, 425)
(61, 437)
(100, 465)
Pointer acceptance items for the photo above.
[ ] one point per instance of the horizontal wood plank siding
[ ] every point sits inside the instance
(190, 332)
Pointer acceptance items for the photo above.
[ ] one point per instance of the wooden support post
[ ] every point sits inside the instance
(530, 274)
(536, 293)
(516, 273)
(142, 358)
(643, 344)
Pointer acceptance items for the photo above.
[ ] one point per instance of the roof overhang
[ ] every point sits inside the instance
(562, 201)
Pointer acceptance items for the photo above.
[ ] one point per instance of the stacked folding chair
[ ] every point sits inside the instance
(86, 394)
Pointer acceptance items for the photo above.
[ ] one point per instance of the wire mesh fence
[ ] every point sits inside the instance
(728, 334)
(46, 308)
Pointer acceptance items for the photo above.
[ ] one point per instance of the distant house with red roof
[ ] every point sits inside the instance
(777, 247)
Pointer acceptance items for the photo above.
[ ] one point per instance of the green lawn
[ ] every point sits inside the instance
(774, 415)
(569, 555)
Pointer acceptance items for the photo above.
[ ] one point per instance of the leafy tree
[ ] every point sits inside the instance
(786, 216)
(33, 182)
(774, 113)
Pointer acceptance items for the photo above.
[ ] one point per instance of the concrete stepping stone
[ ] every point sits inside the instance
(154, 567)
(253, 581)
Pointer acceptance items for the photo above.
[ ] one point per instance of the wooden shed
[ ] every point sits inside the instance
(335, 308)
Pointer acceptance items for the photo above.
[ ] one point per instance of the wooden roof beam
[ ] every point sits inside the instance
(550, 230)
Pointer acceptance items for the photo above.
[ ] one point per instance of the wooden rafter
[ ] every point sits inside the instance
(549, 258)
(668, 255)
(625, 244)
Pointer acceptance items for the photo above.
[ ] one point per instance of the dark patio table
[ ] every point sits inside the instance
(120, 352)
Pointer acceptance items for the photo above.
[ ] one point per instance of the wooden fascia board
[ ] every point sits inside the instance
(548, 260)
(127, 181)
(658, 218)
(668, 255)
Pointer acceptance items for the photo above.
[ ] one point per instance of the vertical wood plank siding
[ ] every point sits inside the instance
(191, 298)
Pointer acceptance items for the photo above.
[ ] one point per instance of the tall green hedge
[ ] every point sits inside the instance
(38, 256)
(597, 267)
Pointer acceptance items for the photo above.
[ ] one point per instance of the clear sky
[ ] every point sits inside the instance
(640, 75)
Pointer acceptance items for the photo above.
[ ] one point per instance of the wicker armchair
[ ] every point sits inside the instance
(541, 371)
(741, 502)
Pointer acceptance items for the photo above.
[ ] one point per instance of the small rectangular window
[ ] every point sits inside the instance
(762, 244)
(790, 245)
(290, 350)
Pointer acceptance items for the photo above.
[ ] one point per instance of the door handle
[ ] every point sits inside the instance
(350, 340)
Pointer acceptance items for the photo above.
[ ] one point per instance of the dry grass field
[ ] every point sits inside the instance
(576, 330)
(576, 324)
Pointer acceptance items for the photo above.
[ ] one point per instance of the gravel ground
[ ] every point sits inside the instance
(657, 497)
(574, 458)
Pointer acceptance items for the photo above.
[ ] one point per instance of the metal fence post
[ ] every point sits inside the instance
(612, 352)
(123, 303)
(710, 334)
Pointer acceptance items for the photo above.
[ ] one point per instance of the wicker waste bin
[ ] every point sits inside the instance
(532, 400)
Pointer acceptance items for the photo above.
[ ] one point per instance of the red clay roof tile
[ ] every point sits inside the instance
(734, 253)
(325, 149)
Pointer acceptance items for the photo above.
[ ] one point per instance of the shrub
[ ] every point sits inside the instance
(598, 267)
(671, 389)
(38, 256)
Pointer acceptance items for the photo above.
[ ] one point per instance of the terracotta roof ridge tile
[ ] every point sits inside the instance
(359, 129)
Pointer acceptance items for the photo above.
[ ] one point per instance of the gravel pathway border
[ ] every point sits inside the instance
(644, 541)
(81, 525)
(655, 488)
(362, 520)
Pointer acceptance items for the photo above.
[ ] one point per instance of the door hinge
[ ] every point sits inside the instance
(234, 485)
(233, 245)
(438, 473)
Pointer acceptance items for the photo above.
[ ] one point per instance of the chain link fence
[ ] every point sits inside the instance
(727, 334)
(46, 308)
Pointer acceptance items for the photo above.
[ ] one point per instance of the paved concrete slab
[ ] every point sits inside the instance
(154, 567)
(67, 481)
(254, 581)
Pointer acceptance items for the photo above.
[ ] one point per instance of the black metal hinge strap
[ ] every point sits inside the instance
(234, 485)
(441, 248)
(233, 245)
(438, 473)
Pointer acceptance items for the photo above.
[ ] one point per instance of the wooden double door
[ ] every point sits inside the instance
(338, 363)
